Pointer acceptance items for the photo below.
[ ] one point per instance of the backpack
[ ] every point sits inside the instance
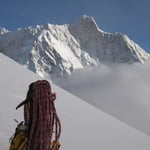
(20, 138)
(41, 127)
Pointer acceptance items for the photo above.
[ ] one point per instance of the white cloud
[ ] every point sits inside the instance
(120, 90)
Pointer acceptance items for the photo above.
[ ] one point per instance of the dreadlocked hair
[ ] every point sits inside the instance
(40, 114)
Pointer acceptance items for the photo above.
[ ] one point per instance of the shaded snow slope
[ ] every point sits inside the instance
(83, 126)
(57, 50)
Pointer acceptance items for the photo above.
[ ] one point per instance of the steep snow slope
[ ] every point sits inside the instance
(57, 50)
(83, 126)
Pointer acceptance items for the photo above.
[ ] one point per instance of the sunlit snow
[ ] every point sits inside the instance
(83, 126)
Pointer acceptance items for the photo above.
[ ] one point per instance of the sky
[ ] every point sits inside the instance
(129, 17)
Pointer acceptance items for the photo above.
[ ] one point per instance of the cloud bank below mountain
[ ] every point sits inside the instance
(120, 90)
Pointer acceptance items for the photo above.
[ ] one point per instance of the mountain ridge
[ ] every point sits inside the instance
(58, 50)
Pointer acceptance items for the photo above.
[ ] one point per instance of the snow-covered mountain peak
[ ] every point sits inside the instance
(86, 19)
(87, 22)
(57, 50)
(3, 31)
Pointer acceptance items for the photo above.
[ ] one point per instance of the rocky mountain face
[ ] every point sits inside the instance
(57, 50)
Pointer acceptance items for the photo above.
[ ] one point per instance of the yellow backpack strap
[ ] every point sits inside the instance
(20, 138)
(23, 144)
(55, 145)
